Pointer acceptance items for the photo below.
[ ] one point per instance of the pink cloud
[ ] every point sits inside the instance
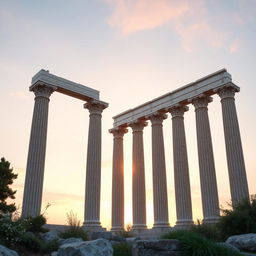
(234, 46)
(136, 15)
(190, 20)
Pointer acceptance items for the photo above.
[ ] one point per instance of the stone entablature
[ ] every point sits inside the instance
(206, 85)
(64, 86)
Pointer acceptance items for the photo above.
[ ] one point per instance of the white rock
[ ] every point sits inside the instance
(4, 251)
(99, 247)
(246, 242)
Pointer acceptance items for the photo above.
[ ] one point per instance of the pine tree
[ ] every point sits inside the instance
(6, 178)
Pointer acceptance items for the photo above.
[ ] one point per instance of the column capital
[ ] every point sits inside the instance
(178, 110)
(201, 101)
(42, 90)
(95, 106)
(157, 118)
(118, 132)
(227, 92)
(138, 125)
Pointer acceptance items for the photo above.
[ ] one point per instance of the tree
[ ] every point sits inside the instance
(6, 178)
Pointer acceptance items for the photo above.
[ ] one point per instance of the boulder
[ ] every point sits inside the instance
(165, 247)
(50, 236)
(70, 240)
(229, 246)
(246, 242)
(4, 251)
(99, 247)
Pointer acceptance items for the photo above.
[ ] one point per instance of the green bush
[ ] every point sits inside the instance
(33, 243)
(35, 224)
(194, 244)
(209, 231)
(11, 231)
(240, 219)
(122, 249)
(74, 229)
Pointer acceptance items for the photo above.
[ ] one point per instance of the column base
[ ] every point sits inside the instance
(117, 229)
(184, 223)
(138, 227)
(211, 220)
(161, 225)
(93, 226)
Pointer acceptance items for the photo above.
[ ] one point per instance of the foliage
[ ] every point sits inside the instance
(11, 231)
(35, 224)
(6, 178)
(33, 243)
(240, 219)
(74, 229)
(194, 244)
(209, 231)
(122, 249)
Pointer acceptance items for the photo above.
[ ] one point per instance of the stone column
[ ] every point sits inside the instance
(209, 190)
(118, 180)
(138, 177)
(161, 218)
(181, 170)
(93, 167)
(234, 150)
(32, 197)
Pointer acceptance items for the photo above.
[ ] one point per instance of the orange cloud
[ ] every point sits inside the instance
(234, 47)
(131, 16)
(187, 19)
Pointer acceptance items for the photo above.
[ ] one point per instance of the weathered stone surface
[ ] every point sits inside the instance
(104, 235)
(131, 240)
(245, 242)
(165, 247)
(230, 246)
(4, 251)
(70, 240)
(50, 236)
(99, 247)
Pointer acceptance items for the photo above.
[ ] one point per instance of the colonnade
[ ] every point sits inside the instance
(33, 189)
(209, 190)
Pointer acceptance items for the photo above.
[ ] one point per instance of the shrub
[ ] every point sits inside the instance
(74, 229)
(10, 231)
(122, 249)
(240, 219)
(33, 243)
(194, 244)
(35, 224)
(209, 231)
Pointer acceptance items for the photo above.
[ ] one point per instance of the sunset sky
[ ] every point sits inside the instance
(131, 51)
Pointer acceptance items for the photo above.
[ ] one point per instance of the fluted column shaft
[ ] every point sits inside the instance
(93, 167)
(118, 180)
(138, 177)
(32, 197)
(209, 190)
(234, 150)
(161, 218)
(181, 169)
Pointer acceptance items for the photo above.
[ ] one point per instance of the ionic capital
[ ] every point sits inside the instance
(227, 92)
(95, 107)
(118, 132)
(42, 90)
(201, 101)
(138, 125)
(157, 118)
(178, 110)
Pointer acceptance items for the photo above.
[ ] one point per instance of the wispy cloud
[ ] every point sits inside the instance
(192, 21)
(131, 16)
